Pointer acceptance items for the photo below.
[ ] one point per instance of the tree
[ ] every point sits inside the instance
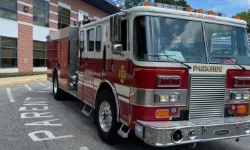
(132, 3)
(182, 3)
(245, 15)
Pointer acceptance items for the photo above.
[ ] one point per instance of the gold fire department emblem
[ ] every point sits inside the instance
(122, 74)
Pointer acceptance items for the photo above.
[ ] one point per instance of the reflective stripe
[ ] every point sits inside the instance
(122, 90)
(123, 99)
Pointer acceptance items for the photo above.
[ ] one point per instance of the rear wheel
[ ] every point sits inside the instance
(56, 90)
(105, 117)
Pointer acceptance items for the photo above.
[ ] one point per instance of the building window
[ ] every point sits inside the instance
(63, 17)
(39, 54)
(8, 9)
(8, 52)
(41, 13)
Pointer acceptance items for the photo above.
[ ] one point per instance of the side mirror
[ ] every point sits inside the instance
(117, 49)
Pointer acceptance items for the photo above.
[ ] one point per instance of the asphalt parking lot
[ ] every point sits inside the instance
(31, 119)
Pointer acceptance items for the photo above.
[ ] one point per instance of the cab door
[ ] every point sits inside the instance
(121, 74)
(88, 63)
(98, 70)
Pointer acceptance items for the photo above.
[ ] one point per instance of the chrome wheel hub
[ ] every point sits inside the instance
(55, 86)
(105, 116)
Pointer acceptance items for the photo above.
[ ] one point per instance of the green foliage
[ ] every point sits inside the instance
(132, 3)
(170, 2)
(182, 3)
(245, 15)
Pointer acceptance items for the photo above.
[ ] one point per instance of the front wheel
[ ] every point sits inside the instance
(105, 116)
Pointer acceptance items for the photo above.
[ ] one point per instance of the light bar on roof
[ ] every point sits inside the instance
(175, 7)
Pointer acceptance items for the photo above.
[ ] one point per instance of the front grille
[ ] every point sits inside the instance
(207, 97)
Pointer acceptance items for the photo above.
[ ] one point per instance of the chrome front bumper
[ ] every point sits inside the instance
(160, 133)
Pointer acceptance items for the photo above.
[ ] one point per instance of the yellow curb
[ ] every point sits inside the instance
(22, 81)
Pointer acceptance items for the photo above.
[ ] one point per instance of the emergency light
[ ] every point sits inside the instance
(174, 7)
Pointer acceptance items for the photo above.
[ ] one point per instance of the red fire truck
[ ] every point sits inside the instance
(155, 70)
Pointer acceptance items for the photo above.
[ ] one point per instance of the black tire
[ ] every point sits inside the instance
(111, 136)
(56, 89)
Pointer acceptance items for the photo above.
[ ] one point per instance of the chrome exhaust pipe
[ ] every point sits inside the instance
(177, 136)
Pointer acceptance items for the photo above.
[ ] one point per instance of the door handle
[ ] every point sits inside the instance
(113, 67)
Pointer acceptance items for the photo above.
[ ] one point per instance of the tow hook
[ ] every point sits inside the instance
(237, 139)
(193, 145)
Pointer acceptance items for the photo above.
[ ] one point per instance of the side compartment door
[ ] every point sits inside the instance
(52, 57)
(49, 62)
(81, 63)
(64, 65)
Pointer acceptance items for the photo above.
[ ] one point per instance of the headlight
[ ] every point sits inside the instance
(174, 98)
(246, 96)
(235, 96)
(238, 96)
(166, 98)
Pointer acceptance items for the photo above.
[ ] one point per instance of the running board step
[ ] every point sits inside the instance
(87, 110)
(124, 131)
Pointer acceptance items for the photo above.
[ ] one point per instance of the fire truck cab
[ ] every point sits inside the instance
(155, 70)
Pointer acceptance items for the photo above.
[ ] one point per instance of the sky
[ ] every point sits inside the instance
(230, 7)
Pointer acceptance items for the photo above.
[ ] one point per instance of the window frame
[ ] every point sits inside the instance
(82, 34)
(169, 17)
(87, 39)
(10, 10)
(15, 48)
(60, 15)
(127, 34)
(100, 38)
(43, 50)
(44, 11)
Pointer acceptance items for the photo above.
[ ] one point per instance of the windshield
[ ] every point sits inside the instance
(159, 38)
(227, 44)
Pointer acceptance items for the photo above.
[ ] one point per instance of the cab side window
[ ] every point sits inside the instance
(90, 39)
(98, 41)
(124, 39)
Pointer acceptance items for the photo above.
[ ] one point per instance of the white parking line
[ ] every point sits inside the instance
(42, 84)
(44, 91)
(27, 87)
(10, 95)
(83, 148)
(28, 98)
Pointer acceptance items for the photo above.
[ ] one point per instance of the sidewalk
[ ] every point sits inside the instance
(22, 79)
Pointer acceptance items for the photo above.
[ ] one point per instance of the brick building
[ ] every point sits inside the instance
(24, 25)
